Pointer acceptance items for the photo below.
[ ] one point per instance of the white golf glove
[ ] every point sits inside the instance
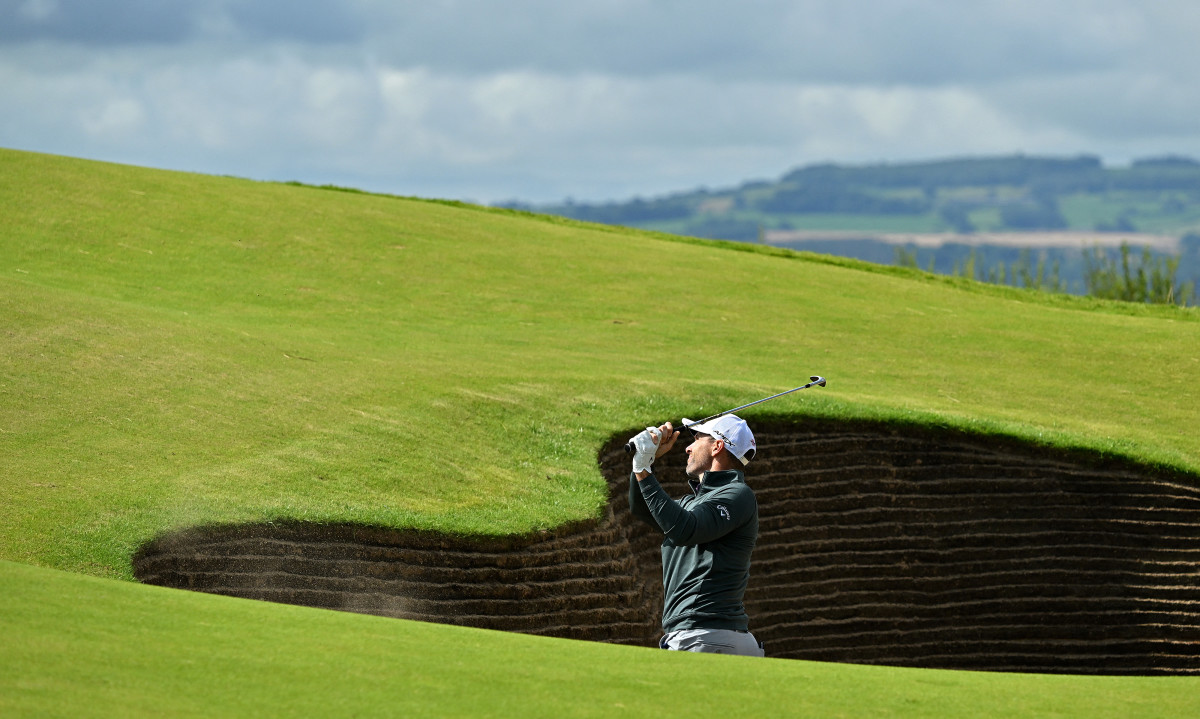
(645, 445)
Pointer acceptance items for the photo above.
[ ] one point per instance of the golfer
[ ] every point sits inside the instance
(708, 536)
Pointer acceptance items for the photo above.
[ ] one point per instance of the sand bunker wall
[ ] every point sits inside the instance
(877, 545)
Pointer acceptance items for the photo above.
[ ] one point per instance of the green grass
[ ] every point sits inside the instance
(187, 654)
(186, 349)
(1145, 210)
(183, 349)
(1084, 211)
(986, 219)
(928, 222)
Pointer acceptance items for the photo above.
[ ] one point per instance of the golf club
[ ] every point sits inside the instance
(814, 380)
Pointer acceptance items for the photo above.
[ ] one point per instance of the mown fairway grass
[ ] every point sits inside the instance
(182, 349)
(81, 646)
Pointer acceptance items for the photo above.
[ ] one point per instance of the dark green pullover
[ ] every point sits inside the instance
(706, 548)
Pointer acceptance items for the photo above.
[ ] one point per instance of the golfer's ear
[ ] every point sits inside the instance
(718, 446)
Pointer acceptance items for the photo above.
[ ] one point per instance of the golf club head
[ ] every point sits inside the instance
(820, 381)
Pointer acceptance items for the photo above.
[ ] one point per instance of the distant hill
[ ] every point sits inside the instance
(941, 210)
(1015, 193)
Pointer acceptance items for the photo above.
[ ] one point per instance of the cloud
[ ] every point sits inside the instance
(1111, 107)
(537, 100)
(306, 21)
(101, 22)
(918, 42)
(535, 135)
(109, 23)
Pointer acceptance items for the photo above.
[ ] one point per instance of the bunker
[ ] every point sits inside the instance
(879, 544)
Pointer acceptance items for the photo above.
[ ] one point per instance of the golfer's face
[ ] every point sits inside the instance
(699, 455)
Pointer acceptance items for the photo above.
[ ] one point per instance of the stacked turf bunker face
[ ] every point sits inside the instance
(879, 544)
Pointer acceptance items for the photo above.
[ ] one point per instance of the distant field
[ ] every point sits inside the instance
(1079, 240)
(817, 223)
(1017, 193)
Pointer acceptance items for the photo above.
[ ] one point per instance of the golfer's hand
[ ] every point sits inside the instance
(650, 444)
(667, 436)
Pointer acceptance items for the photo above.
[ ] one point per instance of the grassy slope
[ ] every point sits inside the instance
(183, 349)
(185, 654)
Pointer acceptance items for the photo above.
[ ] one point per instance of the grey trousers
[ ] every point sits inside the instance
(712, 641)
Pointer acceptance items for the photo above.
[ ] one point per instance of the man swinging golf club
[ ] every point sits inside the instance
(708, 537)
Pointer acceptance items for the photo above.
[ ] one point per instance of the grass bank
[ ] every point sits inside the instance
(183, 349)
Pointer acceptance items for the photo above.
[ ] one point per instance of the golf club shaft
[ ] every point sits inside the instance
(815, 380)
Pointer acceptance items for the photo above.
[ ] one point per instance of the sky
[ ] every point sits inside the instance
(591, 100)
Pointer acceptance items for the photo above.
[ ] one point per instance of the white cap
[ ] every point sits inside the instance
(731, 429)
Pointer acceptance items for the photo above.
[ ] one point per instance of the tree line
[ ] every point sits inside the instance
(909, 189)
(1125, 275)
